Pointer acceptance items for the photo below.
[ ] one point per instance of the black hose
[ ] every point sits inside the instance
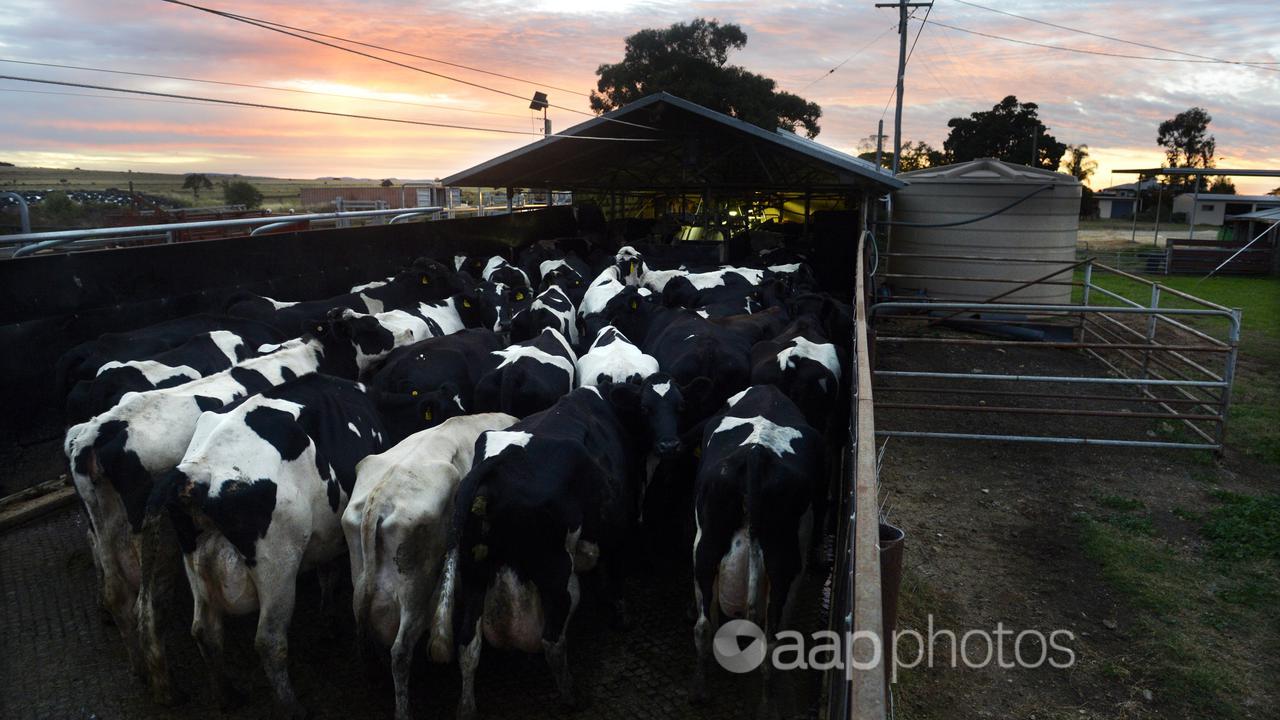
(993, 213)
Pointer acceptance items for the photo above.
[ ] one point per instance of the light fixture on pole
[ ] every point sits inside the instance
(540, 103)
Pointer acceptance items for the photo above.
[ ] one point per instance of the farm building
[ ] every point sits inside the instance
(1215, 208)
(1118, 201)
(408, 195)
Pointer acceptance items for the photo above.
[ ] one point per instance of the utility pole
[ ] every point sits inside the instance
(902, 6)
(879, 143)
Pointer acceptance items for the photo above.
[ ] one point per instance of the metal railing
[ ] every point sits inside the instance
(859, 692)
(1160, 365)
(88, 238)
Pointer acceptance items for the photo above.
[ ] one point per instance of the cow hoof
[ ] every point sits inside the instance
(466, 710)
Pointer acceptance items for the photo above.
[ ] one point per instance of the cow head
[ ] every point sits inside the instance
(629, 261)
(659, 402)
(431, 280)
(407, 412)
(371, 339)
(476, 308)
(631, 311)
(563, 277)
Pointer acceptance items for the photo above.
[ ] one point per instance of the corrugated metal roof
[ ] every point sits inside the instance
(1269, 214)
(1270, 199)
(697, 147)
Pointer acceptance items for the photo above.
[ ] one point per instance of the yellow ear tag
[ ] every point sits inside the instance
(697, 452)
(478, 505)
(414, 393)
(426, 280)
(427, 415)
(633, 269)
(466, 303)
(635, 305)
(519, 296)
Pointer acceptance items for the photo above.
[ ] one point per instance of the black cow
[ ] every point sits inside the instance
(425, 281)
(753, 507)
(431, 369)
(202, 355)
(546, 500)
(530, 376)
(258, 499)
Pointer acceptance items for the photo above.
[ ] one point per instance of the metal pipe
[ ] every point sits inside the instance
(1046, 378)
(983, 258)
(933, 407)
(1073, 345)
(1003, 307)
(960, 278)
(415, 213)
(1045, 439)
(44, 241)
(1036, 395)
(1165, 288)
(262, 229)
(24, 213)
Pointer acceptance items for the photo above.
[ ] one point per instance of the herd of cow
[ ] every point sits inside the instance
(477, 440)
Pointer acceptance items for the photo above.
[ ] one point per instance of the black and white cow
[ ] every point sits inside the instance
(805, 366)
(552, 308)
(397, 528)
(425, 281)
(498, 270)
(258, 498)
(708, 288)
(116, 456)
(420, 384)
(685, 344)
(614, 358)
(530, 376)
(202, 355)
(83, 361)
(546, 500)
(753, 508)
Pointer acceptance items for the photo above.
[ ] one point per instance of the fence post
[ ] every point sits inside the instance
(1229, 376)
(1150, 335)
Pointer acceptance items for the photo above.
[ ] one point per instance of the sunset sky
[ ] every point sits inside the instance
(1112, 104)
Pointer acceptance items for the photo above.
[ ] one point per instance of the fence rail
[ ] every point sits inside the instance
(1167, 357)
(857, 609)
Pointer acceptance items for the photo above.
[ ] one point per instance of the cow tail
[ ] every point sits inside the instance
(757, 578)
(370, 537)
(442, 621)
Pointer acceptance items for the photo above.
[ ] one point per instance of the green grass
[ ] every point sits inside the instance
(1189, 611)
(1254, 423)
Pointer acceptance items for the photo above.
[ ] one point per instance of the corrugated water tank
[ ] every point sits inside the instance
(1042, 227)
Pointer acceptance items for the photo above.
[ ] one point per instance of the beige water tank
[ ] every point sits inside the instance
(1042, 227)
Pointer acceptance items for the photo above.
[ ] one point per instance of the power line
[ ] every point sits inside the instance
(919, 30)
(258, 87)
(387, 49)
(842, 62)
(101, 97)
(1119, 40)
(1083, 51)
(264, 106)
(268, 25)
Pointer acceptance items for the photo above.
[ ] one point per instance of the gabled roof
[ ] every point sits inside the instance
(662, 142)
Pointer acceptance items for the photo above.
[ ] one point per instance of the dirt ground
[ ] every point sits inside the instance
(998, 532)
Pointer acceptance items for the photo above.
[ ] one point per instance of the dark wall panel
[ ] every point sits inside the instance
(51, 303)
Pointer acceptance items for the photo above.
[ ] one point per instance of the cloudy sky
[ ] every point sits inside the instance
(1111, 104)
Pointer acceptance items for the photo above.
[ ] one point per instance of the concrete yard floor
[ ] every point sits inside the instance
(62, 660)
